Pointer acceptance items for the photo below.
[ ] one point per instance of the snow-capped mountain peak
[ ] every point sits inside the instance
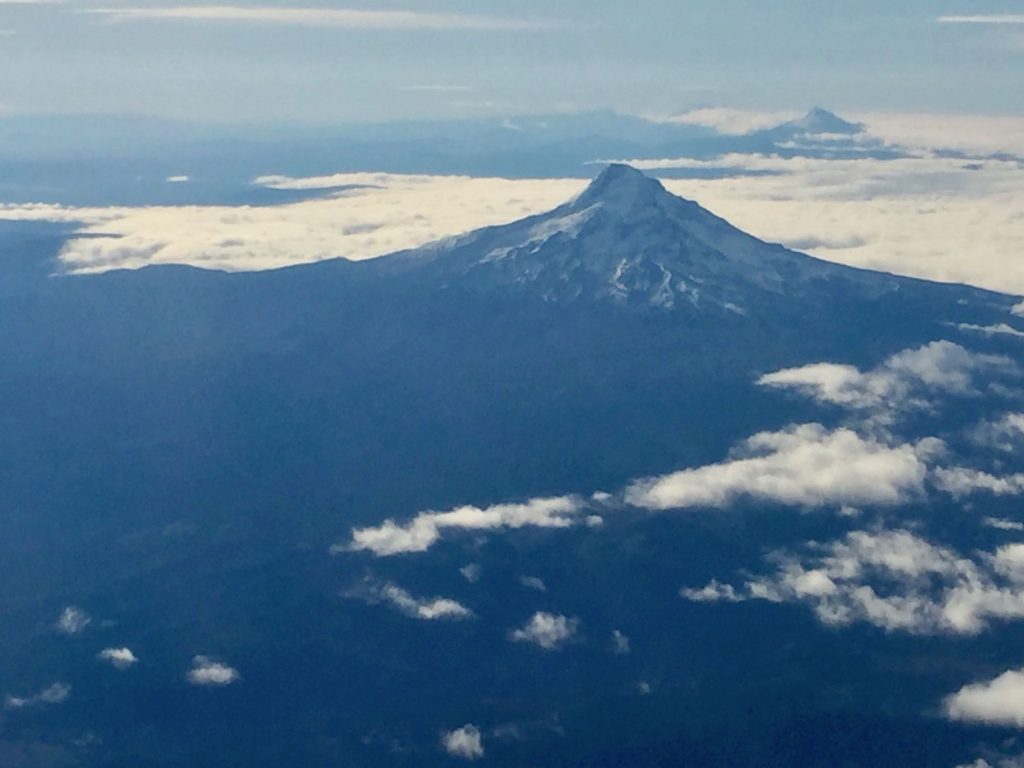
(620, 188)
(628, 239)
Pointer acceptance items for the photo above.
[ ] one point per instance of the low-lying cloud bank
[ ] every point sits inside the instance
(927, 213)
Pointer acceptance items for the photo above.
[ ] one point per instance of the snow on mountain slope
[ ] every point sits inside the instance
(626, 238)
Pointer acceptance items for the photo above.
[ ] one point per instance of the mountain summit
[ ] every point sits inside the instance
(628, 239)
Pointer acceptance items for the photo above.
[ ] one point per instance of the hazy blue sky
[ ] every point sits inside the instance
(428, 58)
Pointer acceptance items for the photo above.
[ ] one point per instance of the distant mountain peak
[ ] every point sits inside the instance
(821, 121)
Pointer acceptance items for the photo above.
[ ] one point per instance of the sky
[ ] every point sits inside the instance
(320, 62)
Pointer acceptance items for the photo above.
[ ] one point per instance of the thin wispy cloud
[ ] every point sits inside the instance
(424, 609)
(437, 88)
(993, 18)
(57, 693)
(427, 528)
(342, 18)
(892, 579)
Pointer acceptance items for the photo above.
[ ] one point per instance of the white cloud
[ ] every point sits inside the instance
(57, 693)
(377, 215)
(343, 18)
(1000, 329)
(210, 672)
(431, 609)
(930, 216)
(547, 630)
(732, 121)
(532, 582)
(465, 742)
(992, 18)
(424, 530)
(713, 592)
(903, 381)
(620, 643)
(73, 620)
(471, 572)
(961, 481)
(120, 658)
(437, 88)
(1000, 524)
(996, 702)
(1004, 434)
(805, 465)
(892, 579)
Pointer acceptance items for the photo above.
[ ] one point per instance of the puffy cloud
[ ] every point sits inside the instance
(424, 530)
(805, 465)
(210, 672)
(547, 630)
(120, 658)
(900, 382)
(432, 609)
(465, 742)
(892, 579)
(57, 693)
(471, 572)
(73, 620)
(996, 702)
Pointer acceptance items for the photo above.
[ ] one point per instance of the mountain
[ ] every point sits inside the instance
(820, 121)
(184, 455)
(628, 239)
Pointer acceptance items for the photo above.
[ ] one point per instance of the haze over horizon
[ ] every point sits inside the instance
(328, 62)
